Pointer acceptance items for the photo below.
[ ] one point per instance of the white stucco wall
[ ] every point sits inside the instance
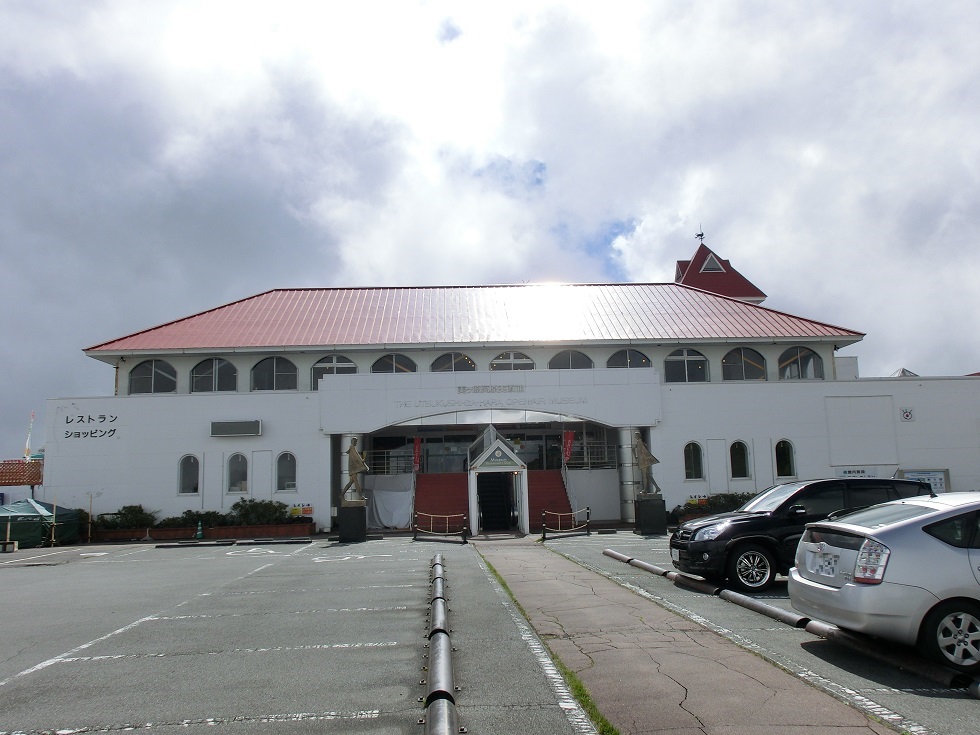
(868, 425)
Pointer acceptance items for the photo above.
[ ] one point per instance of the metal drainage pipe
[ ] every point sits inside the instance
(441, 719)
(440, 702)
(439, 588)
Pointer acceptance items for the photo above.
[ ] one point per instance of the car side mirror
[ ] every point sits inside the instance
(796, 510)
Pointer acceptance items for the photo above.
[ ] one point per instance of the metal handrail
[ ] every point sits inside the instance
(445, 522)
(561, 517)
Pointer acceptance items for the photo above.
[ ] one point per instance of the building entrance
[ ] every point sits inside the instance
(495, 491)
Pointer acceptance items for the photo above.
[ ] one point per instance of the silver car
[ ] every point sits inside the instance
(907, 571)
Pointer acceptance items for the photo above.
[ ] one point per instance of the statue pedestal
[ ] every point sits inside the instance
(352, 521)
(651, 514)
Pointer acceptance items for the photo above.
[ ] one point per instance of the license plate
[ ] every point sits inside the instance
(825, 564)
(675, 554)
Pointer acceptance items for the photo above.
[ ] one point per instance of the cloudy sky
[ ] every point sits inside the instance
(161, 158)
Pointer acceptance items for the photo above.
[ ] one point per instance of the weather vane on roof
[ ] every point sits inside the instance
(700, 235)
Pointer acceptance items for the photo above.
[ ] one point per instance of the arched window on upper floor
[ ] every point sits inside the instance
(237, 473)
(693, 462)
(452, 362)
(512, 361)
(212, 375)
(286, 473)
(153, 376)
(628, 359)
(785, 459)
(570, 360)
(799, 363)
(738, 454)
(190, 475)
(331, 365)
(743, 363)
(394, 363)
(686, 366)
(274, 373)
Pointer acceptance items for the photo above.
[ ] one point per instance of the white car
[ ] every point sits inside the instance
(907, 571)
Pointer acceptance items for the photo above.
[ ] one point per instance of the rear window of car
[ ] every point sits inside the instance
(883, 515)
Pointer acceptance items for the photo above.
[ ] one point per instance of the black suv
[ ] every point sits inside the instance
(751, 545)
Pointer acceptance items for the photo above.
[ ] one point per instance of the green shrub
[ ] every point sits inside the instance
(129, 516)
(251, 512)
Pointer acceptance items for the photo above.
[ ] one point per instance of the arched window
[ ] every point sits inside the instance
(570, 360)
(738, 453)
(190, 475)
(452, 362)
(331, 365)
(743, 363)
(214, 374)
(286, 473)
(274, 373)
(686, 366)
(394, 363)
(512, 361)
(800, 363)
(628, 359)
(693, 466)
(153, 376)
(237, 473)
(785, 461)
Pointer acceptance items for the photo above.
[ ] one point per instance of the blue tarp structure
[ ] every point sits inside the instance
(29, 523)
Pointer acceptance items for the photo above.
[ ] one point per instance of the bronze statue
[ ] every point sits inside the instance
(645, 460)
(355, 467)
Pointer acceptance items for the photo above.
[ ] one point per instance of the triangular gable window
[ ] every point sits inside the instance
(711, 265)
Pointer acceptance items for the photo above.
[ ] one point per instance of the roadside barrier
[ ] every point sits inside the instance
(927, 669)
(439, 702)
(565, 522)
(440, 525)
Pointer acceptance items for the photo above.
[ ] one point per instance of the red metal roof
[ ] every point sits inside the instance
(505, 315)
(718, 277)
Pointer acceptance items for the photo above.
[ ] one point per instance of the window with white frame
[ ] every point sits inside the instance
(213, 375)
(394, 363)
(190, 475)
(693, 462)
(629, 359)
(785, 459)
(686, 366)
(800, 363)
(286, 473)
(331, 365)
(512, 361)
(743, 363)
(153, 376)
(452, 362)
(274, 373)
(738, 454)
(570, 360)
(237, 473)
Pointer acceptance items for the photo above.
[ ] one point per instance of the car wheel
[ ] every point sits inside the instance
(751, 568)
(951, 635)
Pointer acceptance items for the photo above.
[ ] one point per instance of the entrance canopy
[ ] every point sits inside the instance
(365, 403)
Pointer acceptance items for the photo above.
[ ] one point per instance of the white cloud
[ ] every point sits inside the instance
(166, 157)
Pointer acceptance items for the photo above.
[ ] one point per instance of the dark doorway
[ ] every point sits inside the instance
(493, 490)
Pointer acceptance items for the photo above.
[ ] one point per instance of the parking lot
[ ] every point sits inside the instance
(290, 638)
(869, 679)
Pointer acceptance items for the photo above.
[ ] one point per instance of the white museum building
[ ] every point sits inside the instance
(495, 390)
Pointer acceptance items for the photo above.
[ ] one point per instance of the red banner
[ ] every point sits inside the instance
(568, 438)
(417, 455)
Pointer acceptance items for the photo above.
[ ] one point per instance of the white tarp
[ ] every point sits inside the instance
(390, 502)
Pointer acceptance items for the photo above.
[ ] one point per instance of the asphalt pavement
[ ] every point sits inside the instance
(336, 638)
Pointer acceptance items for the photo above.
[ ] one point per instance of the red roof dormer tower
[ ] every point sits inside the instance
(708, 272)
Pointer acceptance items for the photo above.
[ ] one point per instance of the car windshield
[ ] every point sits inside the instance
(883, 515)
(768, 500)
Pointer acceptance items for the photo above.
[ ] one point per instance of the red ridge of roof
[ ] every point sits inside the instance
(727, 282)
(514, 314)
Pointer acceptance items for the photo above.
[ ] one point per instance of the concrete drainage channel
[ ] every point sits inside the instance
(440, 699)
(927, 669)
